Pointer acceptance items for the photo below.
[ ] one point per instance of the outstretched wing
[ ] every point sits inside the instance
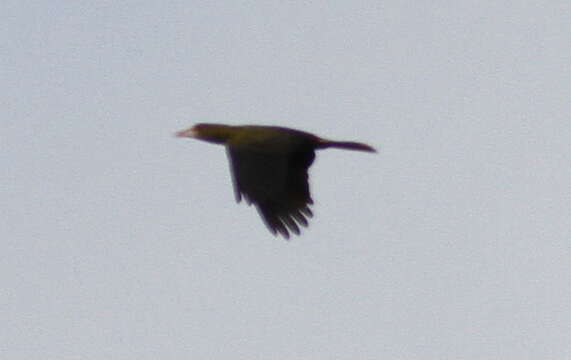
(276, 183)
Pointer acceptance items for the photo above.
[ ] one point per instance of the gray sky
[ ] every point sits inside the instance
(122, 242)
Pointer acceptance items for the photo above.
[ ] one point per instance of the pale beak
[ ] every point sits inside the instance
(186, 133)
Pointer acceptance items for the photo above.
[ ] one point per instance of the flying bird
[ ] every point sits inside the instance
(269, 168)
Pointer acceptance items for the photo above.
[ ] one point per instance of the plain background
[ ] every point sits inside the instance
(119, 241)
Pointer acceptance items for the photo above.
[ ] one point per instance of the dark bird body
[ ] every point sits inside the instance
(269, 168)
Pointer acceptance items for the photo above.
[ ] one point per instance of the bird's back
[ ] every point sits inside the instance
(272, 139)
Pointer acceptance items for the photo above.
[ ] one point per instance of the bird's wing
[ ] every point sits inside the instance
(277, 183)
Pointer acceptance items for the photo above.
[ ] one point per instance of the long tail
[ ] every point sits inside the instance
(349, 145)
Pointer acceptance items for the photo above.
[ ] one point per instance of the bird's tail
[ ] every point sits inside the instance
(348, 145)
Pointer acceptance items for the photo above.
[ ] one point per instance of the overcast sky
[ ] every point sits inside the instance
(119, 241)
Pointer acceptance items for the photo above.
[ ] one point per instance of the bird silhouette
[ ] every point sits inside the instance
(269, 168)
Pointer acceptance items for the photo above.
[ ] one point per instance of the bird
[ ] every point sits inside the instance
(269, 167)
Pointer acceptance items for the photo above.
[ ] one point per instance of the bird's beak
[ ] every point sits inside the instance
(186, 133)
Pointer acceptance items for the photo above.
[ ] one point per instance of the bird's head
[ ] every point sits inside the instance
(214, 133)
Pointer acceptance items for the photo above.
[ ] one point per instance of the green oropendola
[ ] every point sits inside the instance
(269, 168)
